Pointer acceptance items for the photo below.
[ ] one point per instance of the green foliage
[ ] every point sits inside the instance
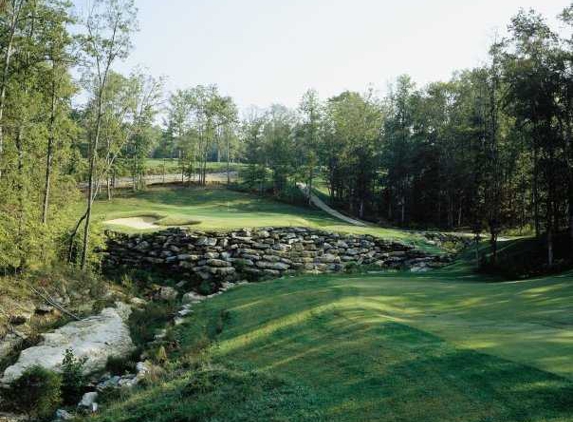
(122, 365)
(527, 257)
(200, 120)
(206, 287)
(144, 323)
(160, 356)
(73, 380)
(119, 365)
(37, 393)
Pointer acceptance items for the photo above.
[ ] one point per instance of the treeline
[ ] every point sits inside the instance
(489, 150)
(49, 143)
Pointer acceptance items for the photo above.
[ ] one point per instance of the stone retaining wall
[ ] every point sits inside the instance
(255, 254)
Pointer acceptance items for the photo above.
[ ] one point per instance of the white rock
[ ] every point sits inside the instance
(420, 269)
(9, 343)
(142, 368)
(96, 338)
(192, 297)
(167, 293)
(88, 402)
(10, 417)
(137, 301)
(161, 334)
(62, 415)
(184, 312)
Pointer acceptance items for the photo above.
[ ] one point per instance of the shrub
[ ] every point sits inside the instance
(120, 365)
(352, 268)
(36, 393)
(160, 356)
(206, 288)
(143, 323)
(224, 318)
(72, 377)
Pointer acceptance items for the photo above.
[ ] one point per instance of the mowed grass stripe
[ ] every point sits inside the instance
(340, 348)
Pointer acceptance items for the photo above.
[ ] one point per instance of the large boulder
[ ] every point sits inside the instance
(95, 338)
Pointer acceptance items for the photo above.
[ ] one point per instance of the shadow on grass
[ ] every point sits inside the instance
(361, 365)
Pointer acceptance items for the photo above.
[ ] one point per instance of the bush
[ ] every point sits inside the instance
(36, 393)
(120, 365)
(206, 288)
(72, 377)
(143, 323)
(352, 268)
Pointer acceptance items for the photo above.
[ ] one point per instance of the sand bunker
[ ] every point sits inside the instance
(139, 223)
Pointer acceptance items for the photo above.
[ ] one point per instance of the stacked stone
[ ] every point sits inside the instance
(457, 241)
(262, 253)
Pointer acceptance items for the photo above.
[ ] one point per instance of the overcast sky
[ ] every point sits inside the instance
(271, 51)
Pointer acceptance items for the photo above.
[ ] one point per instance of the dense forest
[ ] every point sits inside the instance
(489, 151)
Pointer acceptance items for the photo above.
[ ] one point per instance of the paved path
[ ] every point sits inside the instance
(322, 205)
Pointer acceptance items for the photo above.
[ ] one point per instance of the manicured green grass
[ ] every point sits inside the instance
(443, 346)
(222, 209)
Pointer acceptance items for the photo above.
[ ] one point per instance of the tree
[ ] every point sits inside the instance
(252, 139)
(201, 121)
(532, 93)
(12, 17)
(36, 128)
(397, 153)
(309, 136)
(109, 27)
(60, 88)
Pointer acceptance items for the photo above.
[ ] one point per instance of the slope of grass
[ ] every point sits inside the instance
(221, 209)
(437, 347)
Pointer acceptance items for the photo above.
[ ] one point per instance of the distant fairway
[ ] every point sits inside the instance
(222, 209)
(435, 348)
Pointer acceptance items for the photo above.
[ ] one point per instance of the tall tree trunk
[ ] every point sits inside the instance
(108, 186)
(493, 243)
(477, 241)
(310, 180)
(569, 138)
(91, 176)
(21, 196)
(16, 10)
(228, 159)
(403, 210)
(50, 150)
(550, 245)
(536, 218)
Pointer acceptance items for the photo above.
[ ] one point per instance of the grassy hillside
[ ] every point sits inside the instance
(221, 209)
(438, 347)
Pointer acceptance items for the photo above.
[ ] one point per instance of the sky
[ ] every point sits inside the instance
(262, 52)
